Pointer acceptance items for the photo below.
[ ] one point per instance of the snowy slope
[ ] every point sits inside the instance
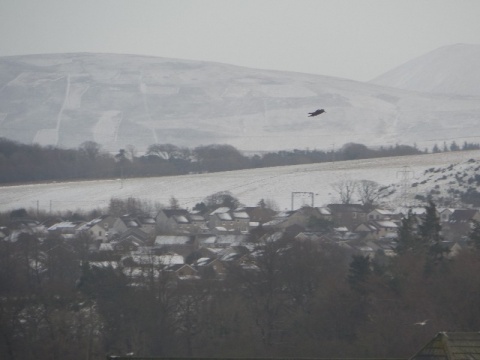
(117, 100)
(249, 186)
(453, 69)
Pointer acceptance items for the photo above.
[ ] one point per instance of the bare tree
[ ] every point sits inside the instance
(345, 190)
(369, 192)
(91, 149)
(174, 203)
(131, 152)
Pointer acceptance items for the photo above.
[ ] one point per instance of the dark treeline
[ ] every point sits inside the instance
(33, 163)
(291, 299)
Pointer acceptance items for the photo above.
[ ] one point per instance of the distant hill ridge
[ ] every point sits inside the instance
(121, 100)
(453, 69)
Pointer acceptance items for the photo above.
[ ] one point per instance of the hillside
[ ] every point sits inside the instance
(450, 69)
(120, 100)
(422, 172)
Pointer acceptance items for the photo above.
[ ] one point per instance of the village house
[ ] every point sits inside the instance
(445, 214)
(348, 215)
(179, 221)
(300, 217)
(259, 215)
(450, 346)
(137, 235)
(66, 229)
(224, 220)
(99, 228)
(210, 268)
(375, 230)
(123, 223)
(183, 271)
(382, 214)
(460, 223)
(147, 224)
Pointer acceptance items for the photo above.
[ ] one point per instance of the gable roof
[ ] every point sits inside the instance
(241, 215)
(463, 215)
(343, 208)
(162, 240)
(134, 233)
(130, 221)
(66, 225)
(175, 212)
(383, 212)
(451, 346)
(220, 210)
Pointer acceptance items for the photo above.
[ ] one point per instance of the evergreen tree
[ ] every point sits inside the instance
(475, 234)
(454, 146)
(358, 273)
(407, 238)
(430, 233)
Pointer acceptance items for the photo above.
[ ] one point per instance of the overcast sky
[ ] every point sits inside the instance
(354, 39)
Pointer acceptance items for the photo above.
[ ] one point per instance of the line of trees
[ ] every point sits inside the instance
(35, 163)
(297, 299)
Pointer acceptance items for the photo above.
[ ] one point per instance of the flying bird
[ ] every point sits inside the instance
(316, 112)
(421, 323)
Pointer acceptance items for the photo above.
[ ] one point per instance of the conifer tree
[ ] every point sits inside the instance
(430, 233)
(475, 235)
(358, 273)
(407, 238)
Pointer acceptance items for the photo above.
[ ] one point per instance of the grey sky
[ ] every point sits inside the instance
(354, 39)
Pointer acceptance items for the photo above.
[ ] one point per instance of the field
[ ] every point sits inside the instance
(249, 186)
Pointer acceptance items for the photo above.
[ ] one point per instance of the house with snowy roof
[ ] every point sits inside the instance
(348, 215)
(382, 214)
(225, 241)
(99, 227)
(29, 226)
(123, 223)
(225, 220)
(179, 221)
(375, 230)
(445, 213)
(137, 235)
(460, 223)
(210, 268)
(66, 229)
(147, 224)
(183, 272)
(300, 217)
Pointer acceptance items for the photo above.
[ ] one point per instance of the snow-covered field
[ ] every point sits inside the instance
(249, 186)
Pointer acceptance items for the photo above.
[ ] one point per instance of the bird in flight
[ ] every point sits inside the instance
(421, 323)
(316, 112)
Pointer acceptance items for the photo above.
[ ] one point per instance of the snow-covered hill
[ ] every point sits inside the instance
(453, 69)
(410, 175)
(117, 100)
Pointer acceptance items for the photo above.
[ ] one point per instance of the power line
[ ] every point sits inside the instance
(406, 175)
